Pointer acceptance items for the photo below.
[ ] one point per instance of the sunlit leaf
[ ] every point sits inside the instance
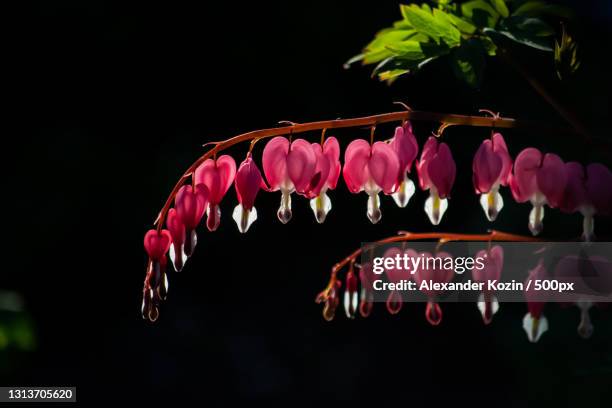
(439, 30)
(566, 56)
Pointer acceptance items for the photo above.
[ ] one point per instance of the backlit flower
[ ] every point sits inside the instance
(190, 204)
(433, 272)
(493, 260)
(540, 179)
(371, 168)
(588, 192)
(327, 171)
(405, 146)
(491, 168)
(248, 182)
(437, 172)
(535, 323)
(288, 167)
(218, 176)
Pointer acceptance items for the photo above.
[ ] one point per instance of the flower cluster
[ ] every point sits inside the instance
(535, 323)
(311, 170)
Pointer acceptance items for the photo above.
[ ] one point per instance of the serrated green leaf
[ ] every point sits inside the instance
(463, 25)
(468, 62)
(500, 7)
(539, 8)
(480, 13)
(409, 49)
(439, 30)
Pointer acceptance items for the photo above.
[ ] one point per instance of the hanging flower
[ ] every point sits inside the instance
(190, 204)
(217, 175)
(405, 146)
(493, 260)
(327, 172)
(588, 192)
(437, 172)
(351, 295)
(288, 167)
(396, 275)
(156, 243)
(540, 179)
(491, 167)
(535, 323)
(177, 231)
(248, 183)
(371, 168)
(367, 278)
(434, 273)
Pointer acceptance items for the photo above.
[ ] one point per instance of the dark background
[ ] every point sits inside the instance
(118, 98)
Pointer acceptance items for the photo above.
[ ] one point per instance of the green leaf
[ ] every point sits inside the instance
(440, 30)
(409, 49)
(540, 43)
(468, 62)
(392, 75)
(480, 13)
(500, 7)
(539, 8)
(488, 45)
(532, 25)
(463, 25)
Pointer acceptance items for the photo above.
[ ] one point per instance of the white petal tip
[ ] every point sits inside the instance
(244, 218)
(435, 207)
(534, 327)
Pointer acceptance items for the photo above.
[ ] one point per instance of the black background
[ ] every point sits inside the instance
(117, 99)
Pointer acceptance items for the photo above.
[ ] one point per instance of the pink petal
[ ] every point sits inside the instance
(274, 161)
(405, 146)
(217, 175)
(486, 167)
(331, 150)
(575, 194)
(523, 182)
(190, 205)
(429, 150)
(157, 243)
(355, 170)
(175, 227)
(322, 170)
(552, 178)
(442, 170)
(500, 148)
(434, 274)
(599, 187)
(301, 162)
(384, 167)
(248, 182)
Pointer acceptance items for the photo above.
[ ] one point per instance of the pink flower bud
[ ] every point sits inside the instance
(218, 176)
(248, 183)
(437, 173)
(405, 146)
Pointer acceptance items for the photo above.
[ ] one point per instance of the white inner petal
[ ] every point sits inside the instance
(535, 219)
(492, 203)
(435, 207)
(284, 211)
(321, 206)
(374, 214)
(244, 218)
(534, 327)
(405, 192)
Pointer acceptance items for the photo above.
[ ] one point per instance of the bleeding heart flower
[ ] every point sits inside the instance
(248, 183)
(177, 231)
(218, 176)
(491, 168)
(190, 205)
(371, 169)
(288, 168)
(433, 272)
(397, 275)
(327, 171)
(535, 323)
(540, 179)
(351, 295)
(156, 243)
(588, 193)
(405, 146)
(367, 278)
(493, 260)
(437, 173)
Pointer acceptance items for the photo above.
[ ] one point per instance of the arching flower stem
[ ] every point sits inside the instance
(448, 119)
(404, 236)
